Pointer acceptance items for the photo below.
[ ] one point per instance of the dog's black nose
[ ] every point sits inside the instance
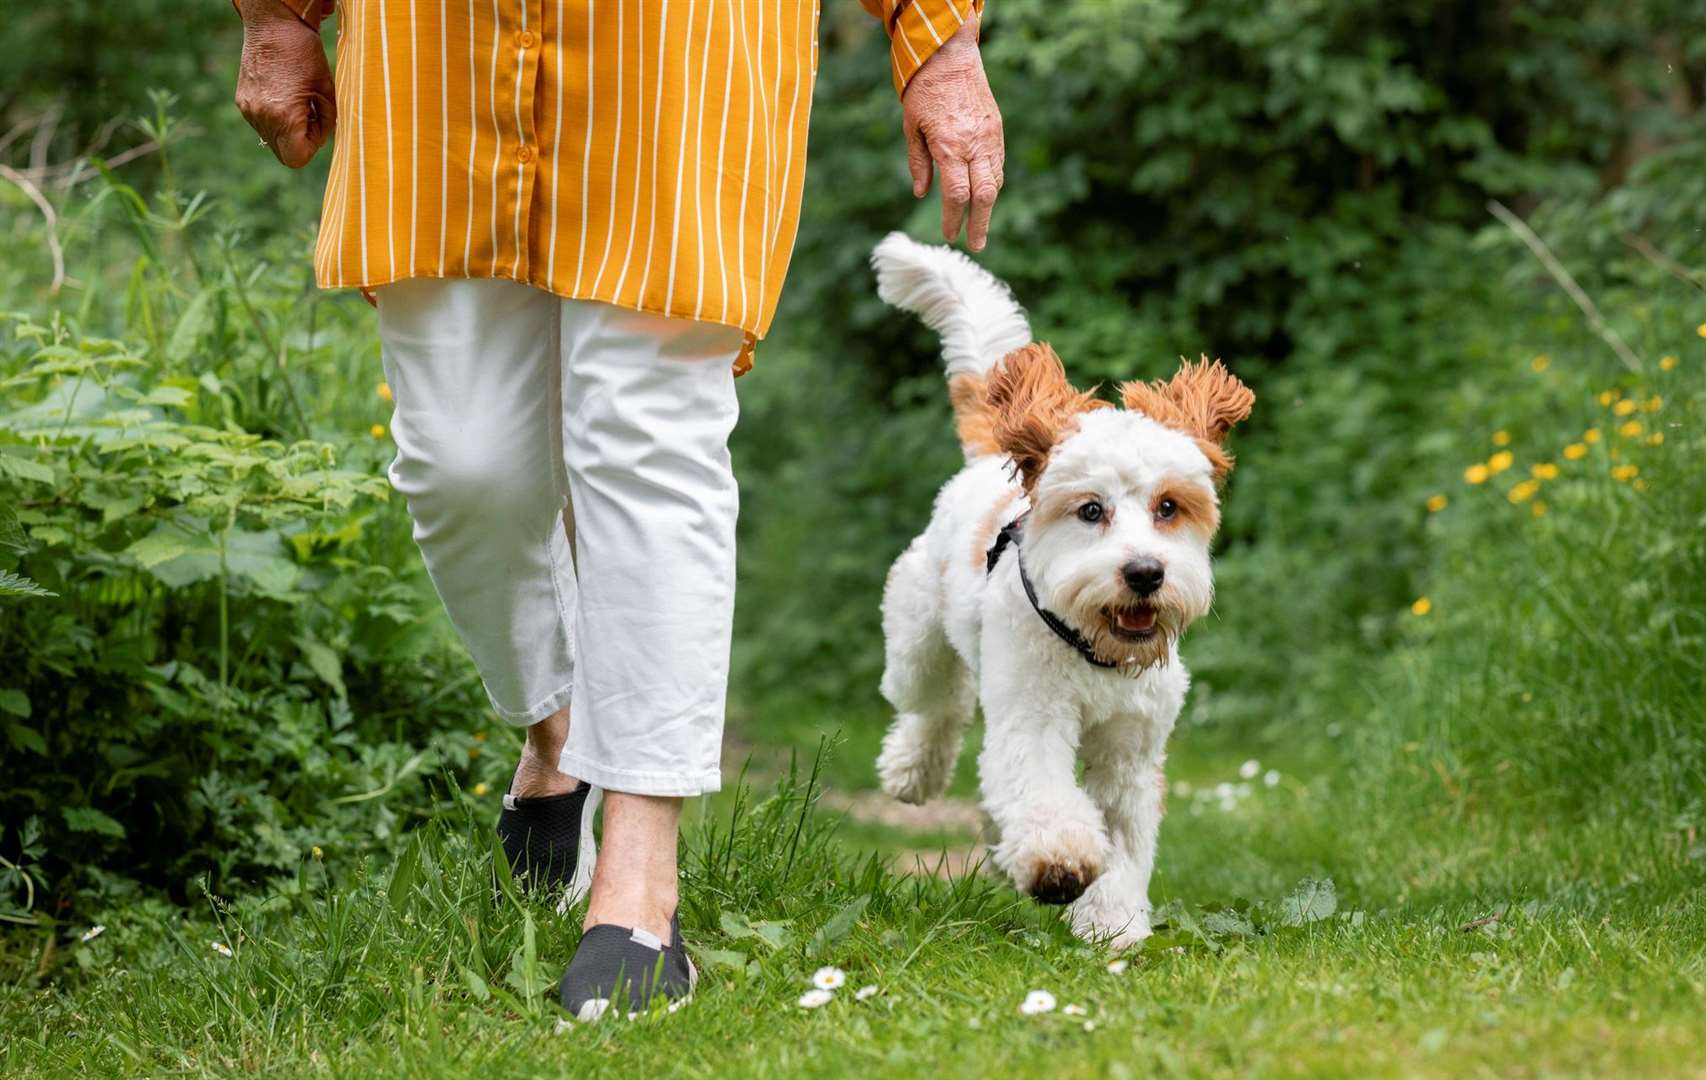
(1143, 576)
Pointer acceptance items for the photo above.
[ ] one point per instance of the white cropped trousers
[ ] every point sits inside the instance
(516, 409)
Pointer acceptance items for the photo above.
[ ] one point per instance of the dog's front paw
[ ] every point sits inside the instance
(1112, 912)
(1054, 864)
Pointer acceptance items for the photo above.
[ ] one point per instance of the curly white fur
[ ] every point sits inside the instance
(976, 315)
(958, 637)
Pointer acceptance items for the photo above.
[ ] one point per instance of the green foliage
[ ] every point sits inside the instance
(1300, 189)
(220, 652)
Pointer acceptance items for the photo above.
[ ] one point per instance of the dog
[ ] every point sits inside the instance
(1051, 586)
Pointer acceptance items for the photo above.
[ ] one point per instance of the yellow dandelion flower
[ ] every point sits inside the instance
(1625, 472)
(1437, 503)
(1606, 397)
(1422, 606)
(1590, 435)
(1657, 438)
(1630, 430)
(1640, 485)
(1653, 404)
(1523, 491)
(317, 853)
(1623, 408)
(1501, 438)
(1667, 363)
(1499, 462)
(473, 752)
(1541, 362)
(1537, 508)
(479, 736)
(1544, 471)
(377, 431)
(384, 390)
(1701, 329)
(480, 790)
(1576, 451)
(1476, 474)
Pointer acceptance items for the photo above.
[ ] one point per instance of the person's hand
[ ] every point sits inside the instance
(952, 122)
(284, 85)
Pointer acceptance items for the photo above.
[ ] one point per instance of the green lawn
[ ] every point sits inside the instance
(1451, 945)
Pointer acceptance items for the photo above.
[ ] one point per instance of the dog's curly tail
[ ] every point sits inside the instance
(975, 314)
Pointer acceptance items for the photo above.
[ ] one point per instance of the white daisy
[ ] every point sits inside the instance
(1271, 778)
(93, 932)
(1249, 769)
(1037, 1001)
(1089, 1025)
(220, 947)
(1117, 967)
(1075, 1010)
(829, 978)
(865, 993)
(816, 998)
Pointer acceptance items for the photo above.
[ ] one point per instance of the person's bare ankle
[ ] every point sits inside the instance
(536, 774)
(635, 884)
(650, 909)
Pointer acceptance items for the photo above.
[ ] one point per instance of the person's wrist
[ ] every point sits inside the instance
(962, 40)
(258, 13)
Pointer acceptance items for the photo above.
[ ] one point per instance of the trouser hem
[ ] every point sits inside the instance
(636, 782)
(533, 714)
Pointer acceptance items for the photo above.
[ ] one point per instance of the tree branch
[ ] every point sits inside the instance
(1568, 283)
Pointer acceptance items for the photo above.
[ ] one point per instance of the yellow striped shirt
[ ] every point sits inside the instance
(646, 153)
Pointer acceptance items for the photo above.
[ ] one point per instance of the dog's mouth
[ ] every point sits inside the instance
(1134, 623)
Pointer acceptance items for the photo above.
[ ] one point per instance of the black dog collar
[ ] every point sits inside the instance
(1009, 535)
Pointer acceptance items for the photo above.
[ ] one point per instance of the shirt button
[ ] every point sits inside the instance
(524, 39)
(524, 154)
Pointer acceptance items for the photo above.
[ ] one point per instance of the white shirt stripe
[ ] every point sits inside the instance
(557, 144)
(586, 156)
(680, 167)
(390, 147)
(444, 131)
(492, 180)
(521, 141)
(615, 151)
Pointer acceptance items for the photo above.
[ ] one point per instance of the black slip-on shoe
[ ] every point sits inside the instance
(541, 837)
(630, 967)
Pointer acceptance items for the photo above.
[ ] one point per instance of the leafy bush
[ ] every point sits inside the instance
(220, 653)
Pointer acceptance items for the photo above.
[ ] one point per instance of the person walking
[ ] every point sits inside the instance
(574, 218)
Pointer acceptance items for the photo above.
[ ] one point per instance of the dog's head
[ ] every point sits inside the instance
(1123, 501)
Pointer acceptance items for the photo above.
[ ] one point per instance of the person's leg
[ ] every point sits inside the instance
(649, 404)
(474, 367)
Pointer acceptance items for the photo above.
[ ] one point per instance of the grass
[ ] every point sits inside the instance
(1452, 949)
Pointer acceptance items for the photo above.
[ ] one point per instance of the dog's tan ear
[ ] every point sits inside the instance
(1033, 407)
(1203, 400)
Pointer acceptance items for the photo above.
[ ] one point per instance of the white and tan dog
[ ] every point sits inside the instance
(1058, 570)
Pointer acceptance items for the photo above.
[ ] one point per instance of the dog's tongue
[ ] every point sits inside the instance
(1135, 620)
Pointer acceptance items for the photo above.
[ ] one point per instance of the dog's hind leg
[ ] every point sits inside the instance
(926, 682)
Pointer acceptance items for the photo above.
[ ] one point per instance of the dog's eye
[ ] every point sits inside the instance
(1091, 513)
(1166, 509)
